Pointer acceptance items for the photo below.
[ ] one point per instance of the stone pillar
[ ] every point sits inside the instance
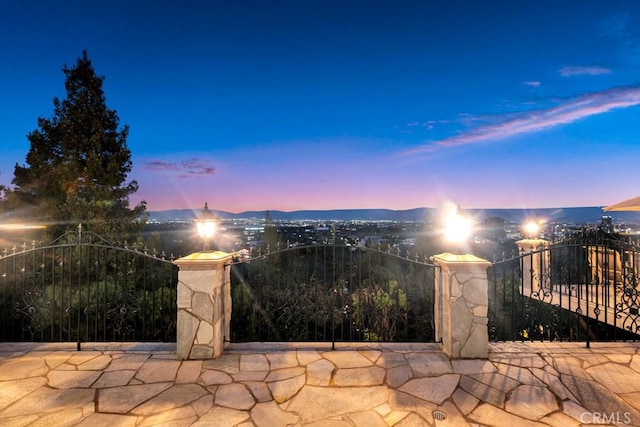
(535, 264)
(204, 304)
(461, 305)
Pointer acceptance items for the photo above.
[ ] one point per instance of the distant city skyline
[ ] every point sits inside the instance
(320, 105)
(577, 215)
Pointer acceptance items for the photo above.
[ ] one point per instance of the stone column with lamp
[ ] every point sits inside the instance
(462, 299)
(204, 297)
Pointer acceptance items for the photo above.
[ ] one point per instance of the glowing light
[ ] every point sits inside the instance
(206, 224)
(13, 227)
(531, 228)
(206, 230)
(457, 228)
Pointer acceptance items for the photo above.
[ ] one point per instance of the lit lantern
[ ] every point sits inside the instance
(458, 228)
(531, 229)
(206, 223)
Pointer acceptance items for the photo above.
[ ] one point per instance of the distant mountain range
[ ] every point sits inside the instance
(584, 215)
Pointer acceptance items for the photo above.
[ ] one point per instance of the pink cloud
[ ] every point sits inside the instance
(536, 120)
(578, 71)
(198, 167)
(186, 168)
(159, 165)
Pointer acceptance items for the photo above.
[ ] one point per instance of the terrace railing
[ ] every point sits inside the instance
(82, 288)
(578, 289)
(332, 293)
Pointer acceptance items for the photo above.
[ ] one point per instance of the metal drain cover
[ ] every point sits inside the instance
(438, 415)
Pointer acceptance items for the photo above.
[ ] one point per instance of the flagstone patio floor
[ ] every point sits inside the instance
(311, 384)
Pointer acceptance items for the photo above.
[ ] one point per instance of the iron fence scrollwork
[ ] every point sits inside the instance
(576, 289)
(80, 287)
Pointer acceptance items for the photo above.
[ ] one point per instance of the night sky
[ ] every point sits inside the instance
(289, 105)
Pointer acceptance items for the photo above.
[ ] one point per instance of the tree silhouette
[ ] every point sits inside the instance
(77, 166)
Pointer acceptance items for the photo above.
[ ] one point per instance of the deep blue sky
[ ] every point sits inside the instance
(345, 104)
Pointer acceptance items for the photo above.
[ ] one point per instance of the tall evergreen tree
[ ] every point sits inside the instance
(76, 169)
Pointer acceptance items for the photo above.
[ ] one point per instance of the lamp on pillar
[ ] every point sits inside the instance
(531, 229)
(461, 300)
(532, 239)
(458, 229)
(206, 223)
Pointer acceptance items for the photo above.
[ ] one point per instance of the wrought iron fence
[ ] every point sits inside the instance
(82, 288)
(579, 289)
(332, 293)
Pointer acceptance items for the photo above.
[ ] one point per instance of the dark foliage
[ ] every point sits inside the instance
(332, 293)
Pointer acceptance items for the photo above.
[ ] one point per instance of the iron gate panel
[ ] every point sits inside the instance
(81, 288)
(578, 289)
(332, 293)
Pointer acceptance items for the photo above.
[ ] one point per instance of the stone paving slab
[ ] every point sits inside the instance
(314, 384)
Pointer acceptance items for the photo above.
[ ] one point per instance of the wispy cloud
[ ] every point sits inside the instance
(186, 168)
(536, 120)
(531, 83)
(159, 165)
(429, 124)
(198, 167)
(580, 70)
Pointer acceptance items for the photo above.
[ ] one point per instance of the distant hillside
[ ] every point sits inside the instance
(583, 215)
